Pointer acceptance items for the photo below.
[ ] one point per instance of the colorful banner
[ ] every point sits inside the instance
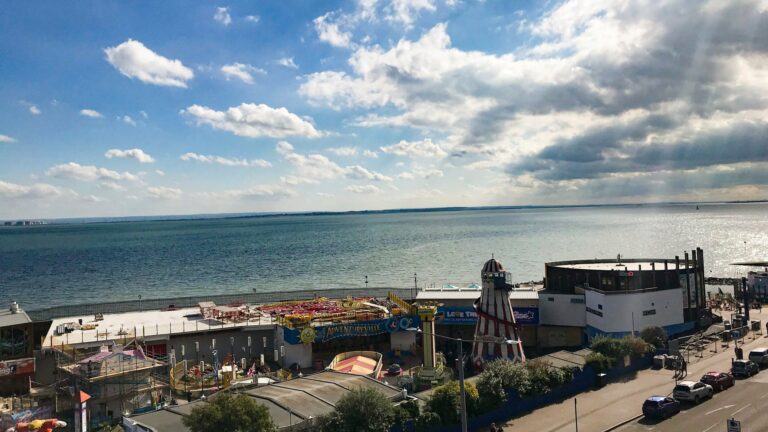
(17, 367)
(466, 315)
(341, 331)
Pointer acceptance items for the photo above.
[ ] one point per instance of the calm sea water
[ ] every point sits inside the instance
(76, 263)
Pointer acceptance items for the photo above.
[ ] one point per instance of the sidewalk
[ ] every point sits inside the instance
(601, 409)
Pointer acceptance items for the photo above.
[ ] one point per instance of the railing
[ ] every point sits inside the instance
(699, 346)
(192, 301)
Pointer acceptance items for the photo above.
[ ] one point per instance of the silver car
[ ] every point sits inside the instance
(692, 391)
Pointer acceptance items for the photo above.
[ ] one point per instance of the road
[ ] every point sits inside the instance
(601, 409)
(747, 402)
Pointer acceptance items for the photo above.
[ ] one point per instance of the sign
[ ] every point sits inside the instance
(734, 425)
(17, 367)
(356, 329)
(466, 315)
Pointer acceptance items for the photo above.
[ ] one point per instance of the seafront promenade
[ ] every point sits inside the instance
(621, 401)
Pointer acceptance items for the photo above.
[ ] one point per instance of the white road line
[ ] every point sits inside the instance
(721, 408)
(741, 409)
(710, 428)
(764, 396)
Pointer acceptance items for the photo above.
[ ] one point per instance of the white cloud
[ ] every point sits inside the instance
(254, 121)
(415, 149)
(91, 198)
(287, 62)
(222, 16)
(425, 174)
(295, 181)
(134, 60)
(128, 120)
(6, 139)
(406, 11)
(75, 171)
(144, 114)
(252, 18)
(164, 193)
(243, 72)
(365, 189)
(261, 163)
(111, 186)
(343, 151)
(34, 110)
(370, 154)
(90, 113)
(134, 153)
(35, 191)
(160, 172)
(319, 167)
(328, 31)
(257, 192)
(357, 172)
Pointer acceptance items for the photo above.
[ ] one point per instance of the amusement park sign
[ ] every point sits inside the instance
(341, 331)
(17, 367)
(467, 315)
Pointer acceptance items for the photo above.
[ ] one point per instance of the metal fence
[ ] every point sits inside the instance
(192, 301)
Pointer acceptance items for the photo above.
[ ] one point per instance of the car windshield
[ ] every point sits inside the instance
(739, 365)
(682, 388)
(651, 403)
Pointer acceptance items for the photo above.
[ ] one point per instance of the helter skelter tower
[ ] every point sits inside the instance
(496, 333)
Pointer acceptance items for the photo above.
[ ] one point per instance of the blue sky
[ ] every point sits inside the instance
(140, 108)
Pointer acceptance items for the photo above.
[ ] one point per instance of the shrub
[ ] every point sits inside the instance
(445, 401)
(427, 420)
(491, 389)
(225, 412)
(654, 336)
(599, 361)
(634, 346)
(362, 410)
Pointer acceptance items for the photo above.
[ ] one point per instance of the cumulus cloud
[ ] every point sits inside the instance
(426, 174)
(34, 110)
(602, 90)
(364, 189)
(406, 11)
(6, 139)
(328, 30)
(222, 16)
(416, 149)
(343, 151)
(134, 60)
(253, 121)
(370, 154)
(252, 18)
(243, 72)
(135, 153)
(90, 113)
(35, 191)
(287, 62)
(211, 159)
(318, 167)
(164, 193)
(75, 171)
(128, 120)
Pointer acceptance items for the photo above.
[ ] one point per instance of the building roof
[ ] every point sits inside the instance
(611, 264)
(492, 266)
(473, 294)
(8, 318)
(289, 403)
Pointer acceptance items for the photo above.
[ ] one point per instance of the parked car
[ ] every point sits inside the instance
(660, 407)
(718, 380)
(691, 391)
(744, 368)
(759, 356)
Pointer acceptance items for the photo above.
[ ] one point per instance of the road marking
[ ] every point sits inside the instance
(710, 428)
(721, 408)
(741, 409)
(764, 396)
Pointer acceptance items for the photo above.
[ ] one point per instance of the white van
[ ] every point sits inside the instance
(759, 356)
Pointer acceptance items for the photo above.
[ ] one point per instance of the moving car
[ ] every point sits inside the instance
(692, 391)
(759, 356)
(744, 368)
(718, 380)
(660, 407)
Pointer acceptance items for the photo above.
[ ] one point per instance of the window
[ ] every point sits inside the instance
(594, 312)
(649, 312)
(577, 300)
(599, 306)
(551, 299)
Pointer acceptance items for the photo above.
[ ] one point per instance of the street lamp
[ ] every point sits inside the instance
(460, 346)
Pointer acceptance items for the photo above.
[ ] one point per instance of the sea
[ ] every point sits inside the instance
(95, 260)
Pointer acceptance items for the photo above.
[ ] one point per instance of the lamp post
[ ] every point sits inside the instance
(460, 354)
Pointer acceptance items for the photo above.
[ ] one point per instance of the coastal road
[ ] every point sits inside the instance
(747, 402)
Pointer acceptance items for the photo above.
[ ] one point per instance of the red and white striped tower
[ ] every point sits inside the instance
(496, 322)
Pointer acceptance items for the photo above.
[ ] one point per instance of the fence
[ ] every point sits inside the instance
(704, 345)
(192, 301)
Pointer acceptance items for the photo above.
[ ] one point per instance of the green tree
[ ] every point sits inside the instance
(654, 336)
(445, 401)
(225, 412)
(362, 410)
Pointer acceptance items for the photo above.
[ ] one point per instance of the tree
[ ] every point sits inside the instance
(445, 401)
(362, 410)
(654, 336)
(229, 413)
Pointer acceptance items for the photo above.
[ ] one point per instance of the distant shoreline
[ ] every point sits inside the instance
(220, 216)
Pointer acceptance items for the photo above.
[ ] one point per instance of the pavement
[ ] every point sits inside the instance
(621, 401)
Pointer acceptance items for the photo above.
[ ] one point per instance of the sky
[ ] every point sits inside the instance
(112, 108)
